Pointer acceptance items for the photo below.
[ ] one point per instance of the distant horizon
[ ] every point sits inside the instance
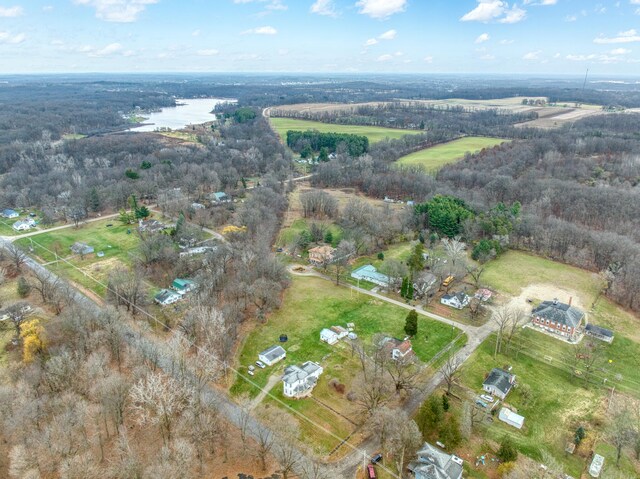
(559, 37)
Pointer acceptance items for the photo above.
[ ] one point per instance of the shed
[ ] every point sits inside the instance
(183, 286)
(596, 465)
(81, 248)
(328, 336)
(511, 418)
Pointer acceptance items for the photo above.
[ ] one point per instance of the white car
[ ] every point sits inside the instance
(250, 372)
(260, 364)
(486, 397)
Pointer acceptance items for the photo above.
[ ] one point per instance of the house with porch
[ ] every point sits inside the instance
(558, 318)
(455, 300)
(398, 348)
(321, 255)
(166, 297)
(10, 214)
(299, 381)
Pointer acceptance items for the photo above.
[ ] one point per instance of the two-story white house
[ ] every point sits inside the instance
(299, 381)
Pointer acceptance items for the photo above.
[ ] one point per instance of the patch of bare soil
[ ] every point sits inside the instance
(545, 292)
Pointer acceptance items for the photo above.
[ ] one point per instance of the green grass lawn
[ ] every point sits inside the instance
(6, 228)
(434, 158)
(287, 235)
(117, 245)
(374, 133)
(311, 304)
(557, 407)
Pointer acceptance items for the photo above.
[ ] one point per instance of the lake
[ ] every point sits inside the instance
(186, 112)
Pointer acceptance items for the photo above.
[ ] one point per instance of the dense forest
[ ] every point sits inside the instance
(578, 187)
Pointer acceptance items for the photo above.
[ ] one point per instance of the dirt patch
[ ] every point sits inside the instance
(545, 292)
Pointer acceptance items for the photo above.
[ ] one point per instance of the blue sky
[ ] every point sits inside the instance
(396, 36)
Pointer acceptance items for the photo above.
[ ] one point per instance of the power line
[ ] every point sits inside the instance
(229, 367)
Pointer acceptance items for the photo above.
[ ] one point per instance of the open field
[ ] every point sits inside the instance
(521, 275)
(557, 406)
(375, 134)
(434, 158)
(311, 304)
(560, 117)
(5, 227)
(114, 241)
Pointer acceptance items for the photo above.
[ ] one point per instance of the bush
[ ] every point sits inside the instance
(381, 256)
(506, 468)
(24, 288)
(507, 451)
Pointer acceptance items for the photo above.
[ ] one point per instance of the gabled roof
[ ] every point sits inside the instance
(165, 295)
(323, 250)
(273, 352)
(559, 313)
(433, 463)
(305, 373)
(500, 379)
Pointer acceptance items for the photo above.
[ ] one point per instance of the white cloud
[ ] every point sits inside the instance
(324, 7)
(110, 49)
(271, 4)
(121, 11)
(207, 52)
(266, 30)
(370, 42)
(10, 12)
(388, 35)
(620, 51)
(494, 10)
(506, 42)
(428, 59)
(381, 8)
(630, 36)
(483, 38)
(532, 55)
(570, 18)
(47, 8)
(541, 2)
(598, 58)
(195, 33)
(635, 2)
(7, 37)
(384, 58)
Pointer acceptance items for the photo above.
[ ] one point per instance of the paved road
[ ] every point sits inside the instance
(56, 228)
(164, 357)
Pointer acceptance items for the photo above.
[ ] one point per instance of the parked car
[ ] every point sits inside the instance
(481, 403)
(250, 372)
(260, 364)
(251, 368)
(371, 472)
(376, 458)
(486, 397)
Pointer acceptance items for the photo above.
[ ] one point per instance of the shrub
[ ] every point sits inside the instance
(24, 288)
(507, 451)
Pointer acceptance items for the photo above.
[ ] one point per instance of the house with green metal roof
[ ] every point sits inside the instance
(183, 286)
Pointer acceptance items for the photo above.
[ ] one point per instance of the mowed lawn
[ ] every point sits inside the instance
(434, 158)
(374, 133)
(117, 245)
(311, 304)
(557, 406)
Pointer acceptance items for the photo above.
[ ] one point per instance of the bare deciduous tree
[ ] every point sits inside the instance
(450, 370)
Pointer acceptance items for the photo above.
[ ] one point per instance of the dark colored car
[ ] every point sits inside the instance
(376, 458)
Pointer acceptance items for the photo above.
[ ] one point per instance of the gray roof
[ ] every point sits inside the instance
(301, 375)
(433, 463)
(500, 379)
(559, 313)
(273, 352)
(592, 328)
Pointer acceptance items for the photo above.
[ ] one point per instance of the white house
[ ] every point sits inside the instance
(511, 418)
(272, 355)
(299, 381)
(10, 214)
(455, 300)
(499, 382)
(399, 349)
(433, 463)
(166, 297)
(333, 335)
(328, 336)
(24, 225)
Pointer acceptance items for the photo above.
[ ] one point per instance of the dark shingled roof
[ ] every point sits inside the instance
(592, 328)
(500, 379)
(559, 313)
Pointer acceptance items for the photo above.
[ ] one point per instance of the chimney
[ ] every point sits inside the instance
(570, 299)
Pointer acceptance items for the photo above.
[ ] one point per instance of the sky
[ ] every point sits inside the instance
(562, 37)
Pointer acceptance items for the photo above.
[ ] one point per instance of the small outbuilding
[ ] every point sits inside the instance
(81, 248)
(511, 418)
(369, 273)
(328, 336)
(183, 286)
(272, 355)
(596, 465)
